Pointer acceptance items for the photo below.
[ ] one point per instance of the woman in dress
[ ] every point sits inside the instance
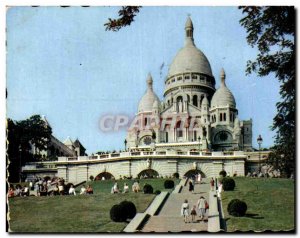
(201, 206)
(185, 210)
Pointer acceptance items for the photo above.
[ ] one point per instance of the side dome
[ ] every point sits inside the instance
(190, 58)
(223, 96)
(147, 101)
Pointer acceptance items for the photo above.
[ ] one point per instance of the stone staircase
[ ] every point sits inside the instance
(170, 220)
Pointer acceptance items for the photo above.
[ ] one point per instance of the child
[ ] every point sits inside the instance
(193, 213)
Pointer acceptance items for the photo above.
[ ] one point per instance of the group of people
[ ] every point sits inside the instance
(47, 187)
(201, 207)
(135, 188)
(18, 191)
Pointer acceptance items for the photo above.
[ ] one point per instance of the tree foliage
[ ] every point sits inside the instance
(272, 31)
(126, 17)
(21, 135)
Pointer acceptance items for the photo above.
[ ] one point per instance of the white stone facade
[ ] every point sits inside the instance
(192, 110)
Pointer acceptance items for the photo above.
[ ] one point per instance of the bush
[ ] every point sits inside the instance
(169, 184)
(223, 173)
(91, 177)
(117, 214)
(176, 175)
(157, 192)
(128, 208)
(228, 184)
(148, 189)
(237, 208)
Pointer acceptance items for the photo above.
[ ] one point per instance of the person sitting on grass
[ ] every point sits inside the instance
(61, 189)
(115, 188)
(135, 187)
(11, 192)
(25, 191)
(89, 190)
(83, 190)
(126, 188)
(72, 190)
(55, 190)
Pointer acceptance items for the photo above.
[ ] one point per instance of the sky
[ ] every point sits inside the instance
(61, 63)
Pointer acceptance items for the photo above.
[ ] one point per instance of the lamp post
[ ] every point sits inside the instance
(20, 171)
(259, 141)
(199, 139)
(125, 143)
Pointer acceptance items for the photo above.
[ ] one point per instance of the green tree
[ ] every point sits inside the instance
(21, 136)
(272, 31)
(126, 17)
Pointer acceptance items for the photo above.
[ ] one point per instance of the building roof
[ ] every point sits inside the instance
(68, 141)
(77, 143)
(223, 96)
(190, 58)
(147, 101)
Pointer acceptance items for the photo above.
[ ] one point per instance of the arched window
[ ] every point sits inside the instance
(221, 117)
(146, 121)
(195, 100)
(179, 132)
(224, 117)
(167, 137)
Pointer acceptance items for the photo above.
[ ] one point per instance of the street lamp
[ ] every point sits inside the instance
(20, 171)
(199, 139)
(125, 143)
(259, 141)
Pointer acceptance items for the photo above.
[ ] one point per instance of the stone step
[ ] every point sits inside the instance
(174, 224)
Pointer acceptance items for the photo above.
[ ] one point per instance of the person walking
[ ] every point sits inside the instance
(191, 187)
(193, 213)
(201, 206)
(212, 184)
(185, 210)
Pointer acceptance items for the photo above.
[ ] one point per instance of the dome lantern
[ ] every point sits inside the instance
(189, 31)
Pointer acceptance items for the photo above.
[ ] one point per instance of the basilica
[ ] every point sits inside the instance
(193, 115)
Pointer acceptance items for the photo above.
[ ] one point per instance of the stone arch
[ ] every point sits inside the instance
(147, 164)
(203, 167)
(193, 172)
(148, 173)
(106, 175)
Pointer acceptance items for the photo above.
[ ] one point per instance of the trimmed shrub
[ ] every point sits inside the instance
(91, 177)
(157, 192)
(228, 184)
(148, 189)
(117, 214)
(128, 208)
(176, 175)
(223, 173)
(237, 208)
(169, 184)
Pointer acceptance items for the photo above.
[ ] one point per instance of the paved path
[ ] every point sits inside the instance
(169, 218)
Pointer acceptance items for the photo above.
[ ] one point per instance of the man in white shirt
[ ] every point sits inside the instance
(72, 191)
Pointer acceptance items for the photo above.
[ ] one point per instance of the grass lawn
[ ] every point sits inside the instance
(270, 204)
(105, 186)
(82, 213)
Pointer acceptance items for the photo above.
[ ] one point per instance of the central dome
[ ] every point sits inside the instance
(190, 58)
